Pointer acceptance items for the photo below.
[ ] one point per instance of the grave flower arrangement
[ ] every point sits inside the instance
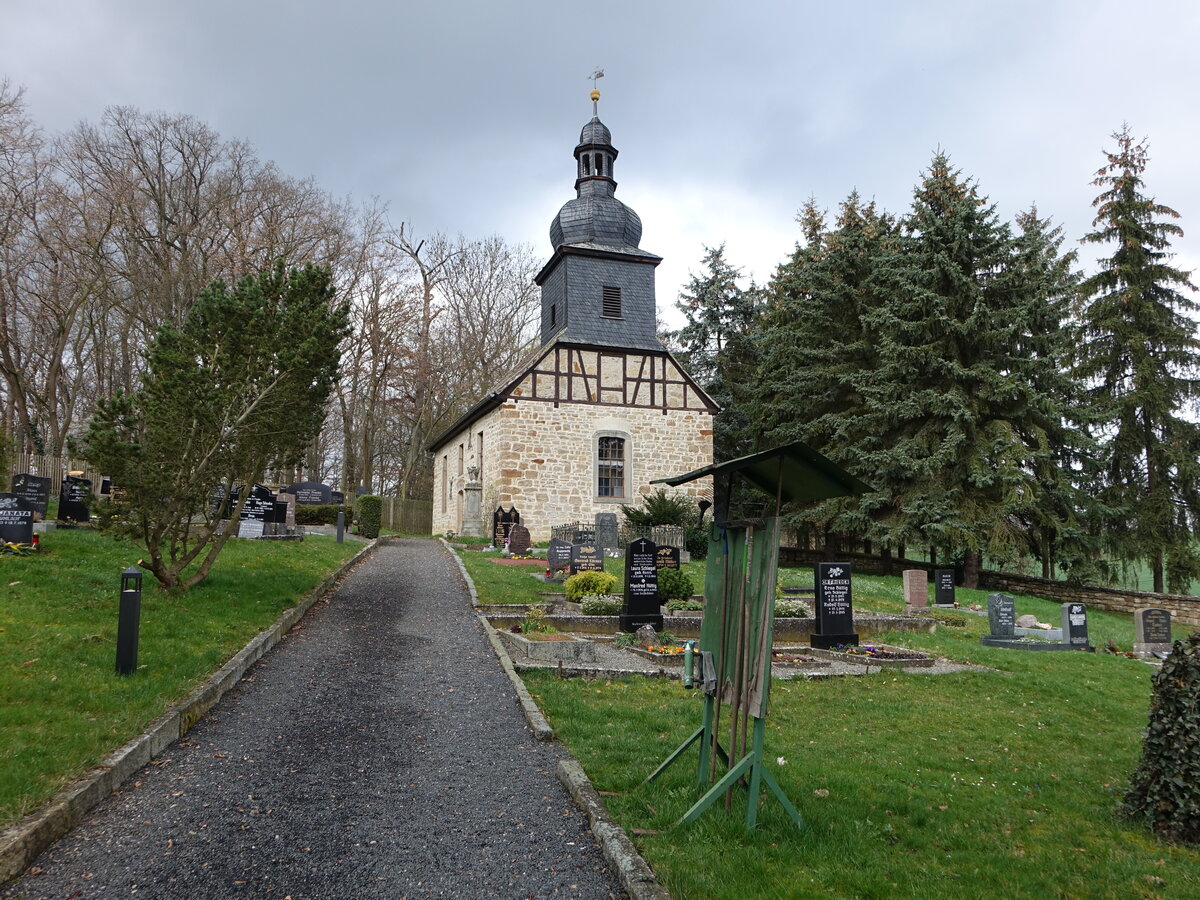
(8, 548)
(873, 652)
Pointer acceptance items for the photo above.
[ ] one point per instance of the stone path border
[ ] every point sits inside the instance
(21, 843)
(635, 874)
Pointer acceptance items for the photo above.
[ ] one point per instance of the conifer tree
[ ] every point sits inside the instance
(717, 346)
(816, 351)
(1140, 357)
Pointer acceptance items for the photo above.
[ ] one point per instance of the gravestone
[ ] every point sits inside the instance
(519, 541)
(916, 588)
(1074, 626)
(311, 493)
(558, 557)
(1151, 631)
(258, 509)
(586, 558)
(337, 498)
(667, 557)
(641, 606)
(502, 523)
(1002, 616)
(16, 520)
(606, 531)
(834, 607)
(943, 587)
(289, 512)
(72, 499)
(34, 490)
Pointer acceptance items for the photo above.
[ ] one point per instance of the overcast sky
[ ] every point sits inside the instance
(462, 116)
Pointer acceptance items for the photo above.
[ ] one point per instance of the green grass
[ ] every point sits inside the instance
(978, 784)
(64, 708)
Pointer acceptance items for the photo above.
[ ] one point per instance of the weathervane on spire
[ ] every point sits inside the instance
(595, 76)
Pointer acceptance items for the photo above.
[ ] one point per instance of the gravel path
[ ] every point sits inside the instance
(379, 751)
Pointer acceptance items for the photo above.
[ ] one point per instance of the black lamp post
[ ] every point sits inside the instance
(129, 620)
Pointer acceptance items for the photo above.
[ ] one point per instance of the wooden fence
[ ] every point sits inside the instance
(52, 467)
(407, 516)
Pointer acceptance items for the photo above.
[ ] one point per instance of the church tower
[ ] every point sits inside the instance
(600, 408)
(598, 287)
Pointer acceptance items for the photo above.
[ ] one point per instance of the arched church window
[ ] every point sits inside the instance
(610, 467)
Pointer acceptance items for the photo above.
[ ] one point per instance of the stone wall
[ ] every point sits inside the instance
(542, 460)
(1184, 609)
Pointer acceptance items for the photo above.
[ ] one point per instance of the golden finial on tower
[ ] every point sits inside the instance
(595, 95)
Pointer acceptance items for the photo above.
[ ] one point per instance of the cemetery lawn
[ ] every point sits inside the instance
(64, 708)
(977, 784)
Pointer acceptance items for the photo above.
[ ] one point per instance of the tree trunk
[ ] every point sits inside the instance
(972, 563)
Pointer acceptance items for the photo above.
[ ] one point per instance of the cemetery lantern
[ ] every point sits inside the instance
(128, 621)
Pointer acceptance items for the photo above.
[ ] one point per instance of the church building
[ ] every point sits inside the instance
(601, 408)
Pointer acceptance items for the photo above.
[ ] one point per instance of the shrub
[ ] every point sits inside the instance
(601, 605)
(1165, 788)
(324, 514)
(791, 609)
(661, 508)
(696, 541)
(370, 512)
(674, 584)
(688, 603)
(581, 584)
(535, 621)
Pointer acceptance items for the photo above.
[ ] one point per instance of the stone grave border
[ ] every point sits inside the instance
(861, 659)
(21, 843)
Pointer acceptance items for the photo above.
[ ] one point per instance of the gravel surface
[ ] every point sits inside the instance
(379, 751)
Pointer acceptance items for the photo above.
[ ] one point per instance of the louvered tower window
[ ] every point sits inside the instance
(611, 302)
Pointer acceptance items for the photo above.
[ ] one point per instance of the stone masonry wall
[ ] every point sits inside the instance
(542, 460)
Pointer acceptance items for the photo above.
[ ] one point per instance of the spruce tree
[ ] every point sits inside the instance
(1140, 356)
(816, 352)
(717, 345)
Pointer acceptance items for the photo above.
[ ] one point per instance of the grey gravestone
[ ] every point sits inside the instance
(1152, 631)
(1074, 625)
(943, 587)
(834, 606)
(558, 557)
(667, 557)
(606, 531)
(34, 490)
(258, 510)
(337, 498)
(1002, 616)
(916, 588)
(311, 493)
(586, 558)
(72, 499)
(641, 605)
(518, 541)
(16, 520)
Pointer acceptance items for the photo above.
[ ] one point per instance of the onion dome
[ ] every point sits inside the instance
(595, 216)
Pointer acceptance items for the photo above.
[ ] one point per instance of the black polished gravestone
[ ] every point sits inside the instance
(16, 520)
(834, 607)
(667, 557)
(258, 510)
(641, 605)
(73, 498)
(502, 523)
(311, 493)
(943, 587)
(34, 490)
(558, 556)
(586, 558)
(1075, 627)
